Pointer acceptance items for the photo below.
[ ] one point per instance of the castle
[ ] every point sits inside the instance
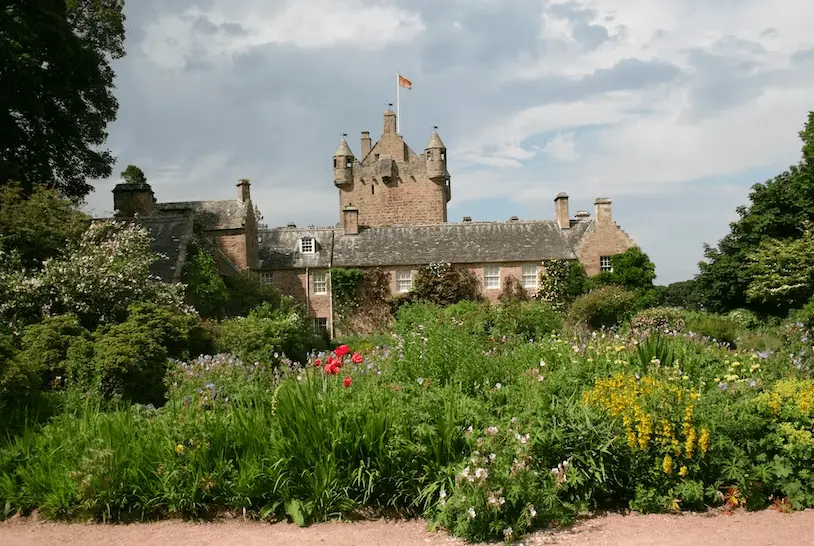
(393, 215)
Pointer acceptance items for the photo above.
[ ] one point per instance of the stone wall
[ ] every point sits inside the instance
(604, 238)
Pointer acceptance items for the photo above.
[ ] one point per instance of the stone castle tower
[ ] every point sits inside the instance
(391, 184)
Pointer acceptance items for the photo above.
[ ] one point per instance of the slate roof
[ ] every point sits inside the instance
(467, 242)
(211, 215)
(279, 248)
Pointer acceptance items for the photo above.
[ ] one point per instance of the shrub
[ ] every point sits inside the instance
(97, 281)
(601, 308)
(445, 284)
(527, 320)
(513, 291)
(266, 334)
(667, 320)
(744, 318)
(246, 293)
(717, 327)
(206, 290)
(561, 281)
(45, 348)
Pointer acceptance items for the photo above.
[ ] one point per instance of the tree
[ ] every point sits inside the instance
(631, 269)
(679, 294)
(37, 228)
(133, 175)
(782, 272)
(779, 208)
(57, 91)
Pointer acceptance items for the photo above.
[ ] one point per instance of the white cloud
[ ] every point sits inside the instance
(312, 24)
(560, 148)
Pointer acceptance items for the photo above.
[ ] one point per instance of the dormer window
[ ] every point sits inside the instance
(308, 245)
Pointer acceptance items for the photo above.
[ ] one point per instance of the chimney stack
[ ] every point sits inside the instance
(582, 215)
(467, 219)
(366, 143)
(603, 210)
(561, 209)
(243, 193)
(130, 199)
(514, 219)
(389, 122)
(350, 220)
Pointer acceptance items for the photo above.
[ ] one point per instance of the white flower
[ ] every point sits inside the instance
(443, 494)
(471, 512)
(532, 512)
(498, 386)
(507, 532)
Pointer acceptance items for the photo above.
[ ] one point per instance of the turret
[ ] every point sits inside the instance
(436, 154)
(343, 164)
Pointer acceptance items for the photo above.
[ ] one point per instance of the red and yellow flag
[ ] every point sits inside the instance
(404, 82)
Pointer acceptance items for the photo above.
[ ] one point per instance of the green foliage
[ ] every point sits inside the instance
(133, 175)
(684, 294)
(445, 284)
(658, 320)
(267, 334)
(718, 327)
(526, 319)
(45, 348)
(513, 291)
(778, 211)
(246, 293)
(58, 92)
(782, 272)
(603, 307)
(206, 291)
(561, 281)
(39, 226)
(633, 269)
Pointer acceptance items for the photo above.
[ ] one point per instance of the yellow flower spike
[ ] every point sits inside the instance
(703, 441)
(179, 448)
(667, 465)
(683, 471)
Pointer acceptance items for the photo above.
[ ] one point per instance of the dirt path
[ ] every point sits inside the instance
(766, 528)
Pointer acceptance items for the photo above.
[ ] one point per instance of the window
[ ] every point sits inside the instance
(349, 164)
(321, 325)
(307, 245)
(491, 276)
(530, 275)
(320, 282)
(264, 277)
(443, 156)
(605, 264)
(429, 154)
(404, 280)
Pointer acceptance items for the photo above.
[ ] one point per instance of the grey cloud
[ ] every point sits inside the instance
(204, 26)
(803, 56)
(586, 32)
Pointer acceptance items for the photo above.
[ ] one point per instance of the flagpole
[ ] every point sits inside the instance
(398, 101)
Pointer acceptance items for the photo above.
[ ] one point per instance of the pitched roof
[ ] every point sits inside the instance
(343, 150)
(171, 235)
(211, 215)
(279, 248)
(467, 242)
(435, 141)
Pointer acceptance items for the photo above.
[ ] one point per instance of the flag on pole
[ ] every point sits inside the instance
(404, 82)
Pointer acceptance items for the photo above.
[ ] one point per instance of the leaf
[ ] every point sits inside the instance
(294, 510)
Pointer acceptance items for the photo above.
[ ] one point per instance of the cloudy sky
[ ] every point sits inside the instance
(673, 109)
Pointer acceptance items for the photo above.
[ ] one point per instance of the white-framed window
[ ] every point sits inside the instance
(605, 264)
(264, 277)
(404, 280)
(308, 245)
(491, 276)
(531, 274)
(321, 325)
(320, 279)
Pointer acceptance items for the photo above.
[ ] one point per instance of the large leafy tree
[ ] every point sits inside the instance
(779, 209)
(56, 91)
(782, 272)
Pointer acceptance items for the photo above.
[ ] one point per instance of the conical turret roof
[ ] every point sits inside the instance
(343, 150)
(435, 141)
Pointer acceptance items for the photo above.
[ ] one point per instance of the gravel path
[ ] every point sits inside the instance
(766, 528)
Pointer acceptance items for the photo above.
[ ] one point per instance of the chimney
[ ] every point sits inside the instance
(582, 215)
(365, 144)
(291, 225)
(467, 219)
(603, 210)
(130, 199)
(389, 122)
(561, 209)
(350, 220)
(514, 219)
(243, 193)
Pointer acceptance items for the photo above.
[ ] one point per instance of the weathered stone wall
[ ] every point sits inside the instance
(389, 184)
(233, 246)
(603, 238)
(299, 285)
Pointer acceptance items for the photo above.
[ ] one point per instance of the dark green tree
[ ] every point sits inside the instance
(56, 91)
(631, 269)
(779, 208)
(133, 175)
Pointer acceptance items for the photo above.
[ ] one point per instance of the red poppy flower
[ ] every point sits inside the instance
(331, 369)
(347, 382)
(342, 350)
(356, 358)
(318, 363)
